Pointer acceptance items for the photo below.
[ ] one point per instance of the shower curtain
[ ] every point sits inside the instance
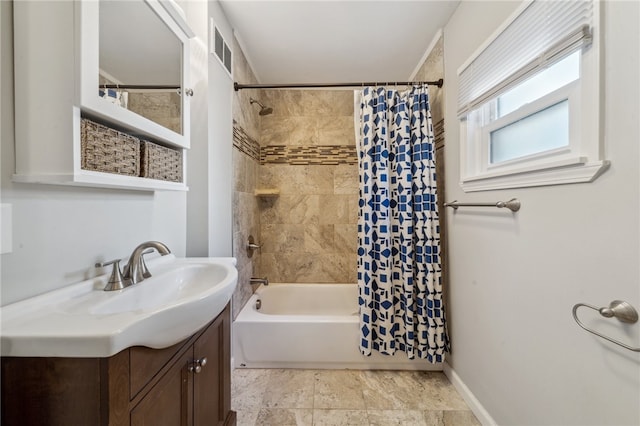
(399, 271)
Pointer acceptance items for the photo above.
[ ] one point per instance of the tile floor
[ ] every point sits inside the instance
(281, 397)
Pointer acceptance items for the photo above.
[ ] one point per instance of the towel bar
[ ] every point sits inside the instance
(513, 204)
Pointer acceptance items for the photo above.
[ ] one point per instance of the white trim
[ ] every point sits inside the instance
(177, 14)
(566, 93)
(480, 412)
(101, 180)
(427, 52)
(578, 172)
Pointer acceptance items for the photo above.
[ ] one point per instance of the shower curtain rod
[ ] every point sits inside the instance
(138, 86)
(238, 86)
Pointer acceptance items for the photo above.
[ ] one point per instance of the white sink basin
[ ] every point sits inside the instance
(82, 320)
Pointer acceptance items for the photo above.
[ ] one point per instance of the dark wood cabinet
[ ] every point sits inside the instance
(186, 384)
(168, 402)
(211, 404)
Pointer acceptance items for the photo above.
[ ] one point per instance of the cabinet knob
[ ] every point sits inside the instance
(196, 366)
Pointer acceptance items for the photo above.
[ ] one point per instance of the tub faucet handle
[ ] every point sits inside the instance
(263, 281)
(251, 246)
(251, 243)
(116, 281)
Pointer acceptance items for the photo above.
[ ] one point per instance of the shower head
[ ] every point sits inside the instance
(263, 109)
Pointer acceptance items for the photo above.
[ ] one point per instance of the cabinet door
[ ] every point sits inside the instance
(49, 391)
(145, 363)
(211, 392)
(167, 403)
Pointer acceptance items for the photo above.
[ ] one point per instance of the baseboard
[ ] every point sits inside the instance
(480, 412)
(344, 365)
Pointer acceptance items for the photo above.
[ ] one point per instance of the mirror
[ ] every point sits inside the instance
(140, 62)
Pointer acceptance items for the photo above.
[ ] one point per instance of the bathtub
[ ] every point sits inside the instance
(308, 326)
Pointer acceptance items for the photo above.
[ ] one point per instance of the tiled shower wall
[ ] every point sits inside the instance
(307, 151)
(308, 233)
(432, 69)
(245, 174)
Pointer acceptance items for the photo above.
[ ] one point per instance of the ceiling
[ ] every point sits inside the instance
(302, 41)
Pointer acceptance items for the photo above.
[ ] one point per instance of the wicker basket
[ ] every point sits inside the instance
(161, 163)
(108, 150)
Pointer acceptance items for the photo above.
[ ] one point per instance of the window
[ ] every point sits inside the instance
(529, 101)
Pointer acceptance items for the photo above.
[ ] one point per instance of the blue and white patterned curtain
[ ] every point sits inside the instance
(399, 271)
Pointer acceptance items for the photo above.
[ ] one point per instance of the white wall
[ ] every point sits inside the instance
(221, 145)
(209, 203)
(197, 198)
(514, 278)
(60, 232)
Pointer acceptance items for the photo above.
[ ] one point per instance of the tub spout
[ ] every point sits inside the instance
(263, 281)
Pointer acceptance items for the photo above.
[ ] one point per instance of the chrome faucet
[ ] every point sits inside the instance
(136, 270)
(263, 281)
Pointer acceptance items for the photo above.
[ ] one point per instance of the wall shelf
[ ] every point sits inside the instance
(267, 192)
(88, 178)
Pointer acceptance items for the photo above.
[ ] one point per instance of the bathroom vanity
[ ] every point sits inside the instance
(188, 383)
(154, 353)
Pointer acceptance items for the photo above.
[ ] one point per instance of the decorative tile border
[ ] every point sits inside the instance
(306, 154)
(244, 143)
(309, 155)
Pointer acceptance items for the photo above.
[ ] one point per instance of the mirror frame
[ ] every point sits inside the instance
(92, 104)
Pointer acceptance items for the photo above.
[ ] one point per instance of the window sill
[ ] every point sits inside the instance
(576, 170)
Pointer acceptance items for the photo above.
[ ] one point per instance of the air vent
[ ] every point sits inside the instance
(219, 47)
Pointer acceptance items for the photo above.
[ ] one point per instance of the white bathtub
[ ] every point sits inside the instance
(308, 326)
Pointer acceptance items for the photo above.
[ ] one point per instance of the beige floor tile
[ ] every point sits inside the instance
(246, 417)
(338, 389)
(434, 418)
(289, 389)
(450, 418)
(283, 397)
(390, 390)
(441, 395)
(285, 417)
(460, 418)
(247, 388)
(396, 417)
(410, 390)
(340, 417)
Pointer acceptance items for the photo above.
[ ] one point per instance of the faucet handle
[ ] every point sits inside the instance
(116, 281)
(143, 264)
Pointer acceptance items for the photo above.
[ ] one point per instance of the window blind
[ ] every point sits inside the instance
(544, 32)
